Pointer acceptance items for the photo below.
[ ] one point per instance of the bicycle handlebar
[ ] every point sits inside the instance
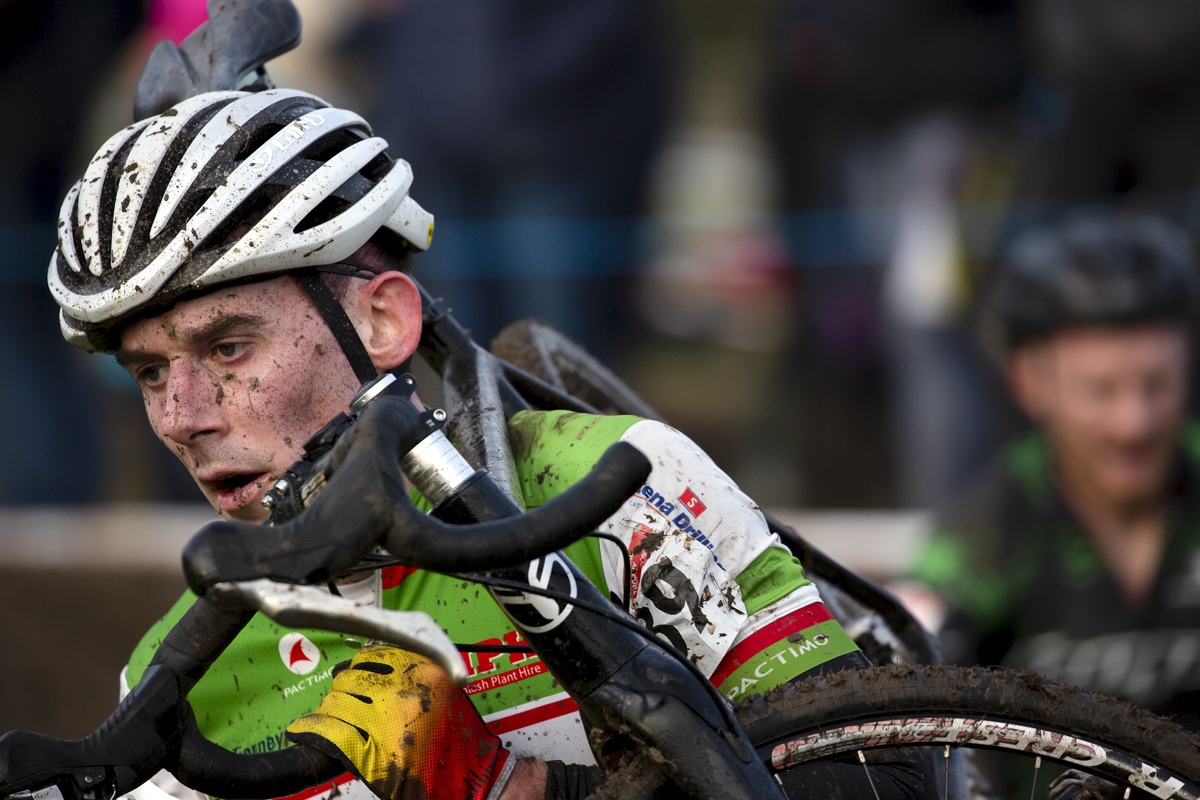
(364, 502)
(187, 650)
(370, 505)
(215, 771)
(354, 497)
(154, 728)
(131, 745)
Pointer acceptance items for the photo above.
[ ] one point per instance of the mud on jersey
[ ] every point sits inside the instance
(707, 576)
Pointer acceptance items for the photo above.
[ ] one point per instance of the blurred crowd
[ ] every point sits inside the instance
(774, 220)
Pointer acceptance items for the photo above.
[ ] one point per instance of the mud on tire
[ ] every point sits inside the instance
(897, 706)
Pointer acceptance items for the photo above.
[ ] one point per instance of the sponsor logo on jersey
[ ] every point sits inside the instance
(299, 654)
(655, 499)
(304, 684)
(691, 503)
(520, 673)
(483, 663)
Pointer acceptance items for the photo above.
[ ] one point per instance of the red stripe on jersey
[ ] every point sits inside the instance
(324, 787)
(533, 716)
(392, 577)
(763, 638)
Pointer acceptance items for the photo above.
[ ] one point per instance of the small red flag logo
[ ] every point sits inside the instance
(691, 502)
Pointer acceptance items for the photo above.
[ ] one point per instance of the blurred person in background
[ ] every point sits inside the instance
(1079, 554)
(534, 124)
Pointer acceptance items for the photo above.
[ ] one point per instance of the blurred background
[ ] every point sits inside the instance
(772, 218)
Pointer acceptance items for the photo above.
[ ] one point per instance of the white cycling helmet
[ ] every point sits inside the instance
(158, 212)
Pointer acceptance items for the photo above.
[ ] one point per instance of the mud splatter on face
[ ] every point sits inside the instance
(229, 440)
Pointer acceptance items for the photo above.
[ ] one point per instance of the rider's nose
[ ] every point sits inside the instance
(192, 407)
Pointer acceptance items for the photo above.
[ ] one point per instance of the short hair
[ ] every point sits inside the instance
(379, 255)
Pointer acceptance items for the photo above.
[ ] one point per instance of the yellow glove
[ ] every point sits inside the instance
(396, 721)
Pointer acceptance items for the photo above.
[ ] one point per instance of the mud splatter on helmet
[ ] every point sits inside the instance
(222, 187)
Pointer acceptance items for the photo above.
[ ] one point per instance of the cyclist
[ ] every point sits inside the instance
(245, 258)
(1079, 554)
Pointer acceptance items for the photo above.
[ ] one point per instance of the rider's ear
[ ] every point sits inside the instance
(388, 318)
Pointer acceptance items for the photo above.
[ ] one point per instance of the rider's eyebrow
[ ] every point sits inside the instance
(222, 326)
(128, 359)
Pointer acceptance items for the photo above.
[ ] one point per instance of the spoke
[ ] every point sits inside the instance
(1128, 789)
(863, 760)
(1037, 766)
(946, 787)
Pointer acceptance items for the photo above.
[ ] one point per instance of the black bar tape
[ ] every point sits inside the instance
(339, 323)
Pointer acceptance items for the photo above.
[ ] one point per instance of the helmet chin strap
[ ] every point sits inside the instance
(339, 323)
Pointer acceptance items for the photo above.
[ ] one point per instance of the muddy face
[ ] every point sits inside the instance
(235, 382)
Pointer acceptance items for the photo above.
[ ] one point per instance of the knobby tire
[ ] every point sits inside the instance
(939, 706)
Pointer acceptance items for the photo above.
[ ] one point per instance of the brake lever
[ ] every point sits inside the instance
(296, 606)
(304, 480)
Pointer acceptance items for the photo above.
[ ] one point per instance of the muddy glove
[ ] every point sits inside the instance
(1076, 785)
(396, 721)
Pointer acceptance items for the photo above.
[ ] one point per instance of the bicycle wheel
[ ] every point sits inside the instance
(549, 355)
(991, 709)
(957, 707)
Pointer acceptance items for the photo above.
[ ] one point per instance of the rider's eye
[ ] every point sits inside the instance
(229, 349)
(153, 374)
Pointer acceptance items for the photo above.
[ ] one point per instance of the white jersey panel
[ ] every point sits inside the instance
(690, 532)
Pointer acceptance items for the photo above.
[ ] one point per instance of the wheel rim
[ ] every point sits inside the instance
(975, 731)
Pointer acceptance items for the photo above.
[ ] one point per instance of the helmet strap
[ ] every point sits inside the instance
(339, 324)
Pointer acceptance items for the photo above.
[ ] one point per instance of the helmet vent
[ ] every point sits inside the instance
(326, 210)
(156, 194)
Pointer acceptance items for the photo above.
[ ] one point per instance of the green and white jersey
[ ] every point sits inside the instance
(708, 576)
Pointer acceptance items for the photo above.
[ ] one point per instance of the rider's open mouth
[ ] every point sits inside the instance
(231, 483)
(236, 489)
